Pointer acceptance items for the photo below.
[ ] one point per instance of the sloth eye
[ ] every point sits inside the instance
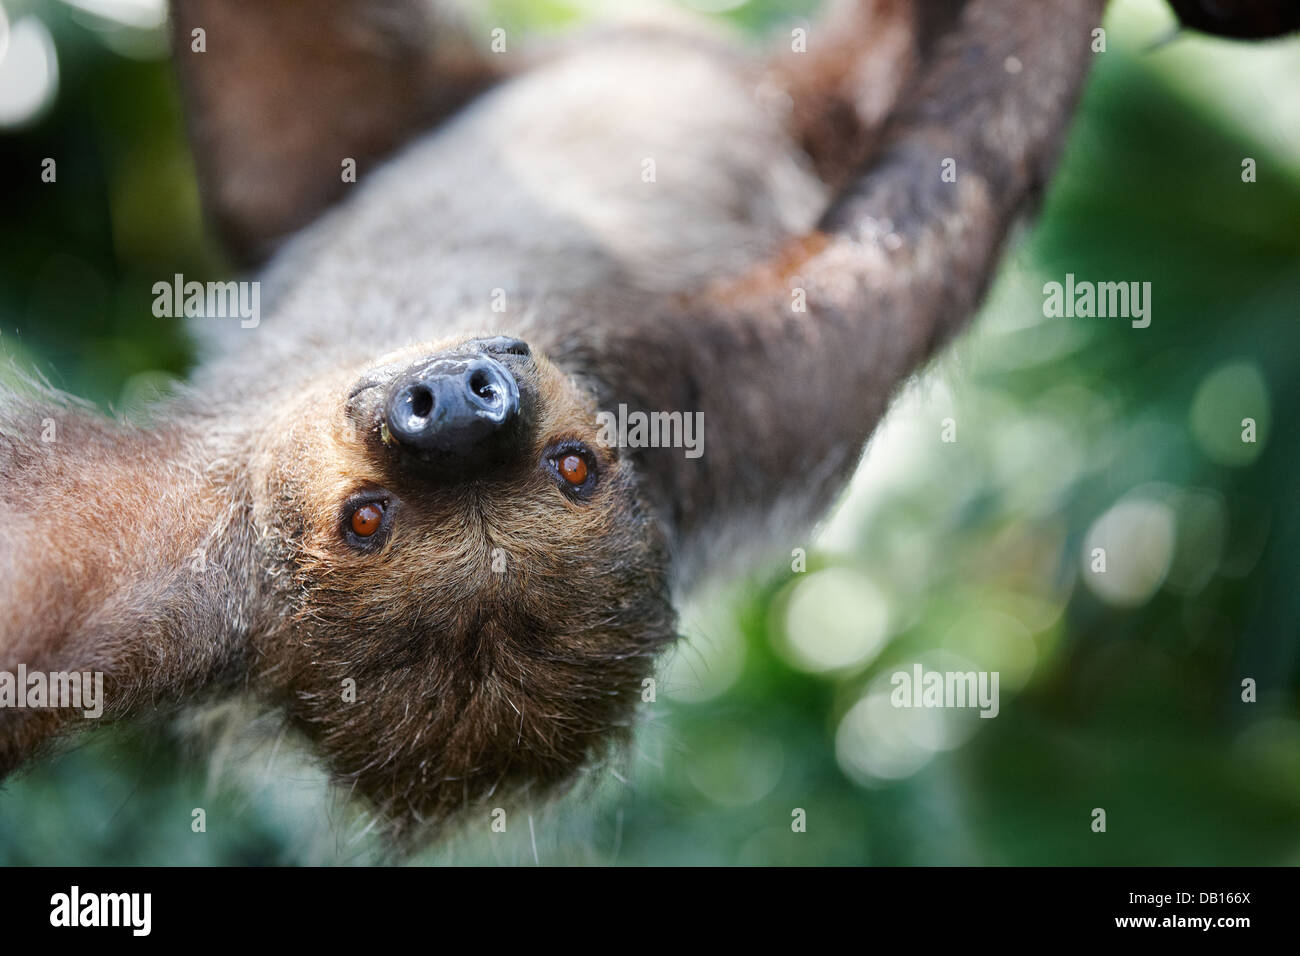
(365, 519)
(574, 467)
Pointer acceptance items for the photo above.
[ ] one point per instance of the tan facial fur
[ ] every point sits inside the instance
(496, 636)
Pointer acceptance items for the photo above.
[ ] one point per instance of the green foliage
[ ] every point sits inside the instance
(1127, 700)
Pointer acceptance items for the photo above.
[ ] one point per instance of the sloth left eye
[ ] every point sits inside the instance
(365, 520)
(574, 466)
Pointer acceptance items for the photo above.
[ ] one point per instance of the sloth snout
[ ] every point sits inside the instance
(453, 409)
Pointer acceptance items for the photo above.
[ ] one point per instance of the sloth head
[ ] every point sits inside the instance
(469, 590)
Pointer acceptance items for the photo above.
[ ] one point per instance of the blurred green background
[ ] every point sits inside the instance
(1120, 690)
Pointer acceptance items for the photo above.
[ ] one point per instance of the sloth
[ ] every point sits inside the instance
(385, 510)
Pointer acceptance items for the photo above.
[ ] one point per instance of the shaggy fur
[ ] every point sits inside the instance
(819, 176)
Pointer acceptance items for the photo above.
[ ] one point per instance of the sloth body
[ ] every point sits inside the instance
(538, 189)
(450, 609)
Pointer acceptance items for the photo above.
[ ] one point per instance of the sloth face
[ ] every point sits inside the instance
(468, 589)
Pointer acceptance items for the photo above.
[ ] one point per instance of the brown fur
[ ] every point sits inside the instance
(473, 682)
(470, 681)
(99, 532)
(364, 77)
(839, 99)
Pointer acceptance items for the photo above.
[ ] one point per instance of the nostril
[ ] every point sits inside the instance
(409, 411)
(421, 401)
(490, 390)
(483, 385)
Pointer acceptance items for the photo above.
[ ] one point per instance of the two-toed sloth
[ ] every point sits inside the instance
(395, 483)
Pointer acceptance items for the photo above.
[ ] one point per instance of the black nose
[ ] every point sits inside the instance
(453, 408)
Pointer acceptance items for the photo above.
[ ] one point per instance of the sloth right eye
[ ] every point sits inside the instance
(573, 466)
(573, 469)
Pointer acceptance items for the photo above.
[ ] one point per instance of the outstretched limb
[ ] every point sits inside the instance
(843, 74)
(335, 80)
(794, 363)
(126, 565)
